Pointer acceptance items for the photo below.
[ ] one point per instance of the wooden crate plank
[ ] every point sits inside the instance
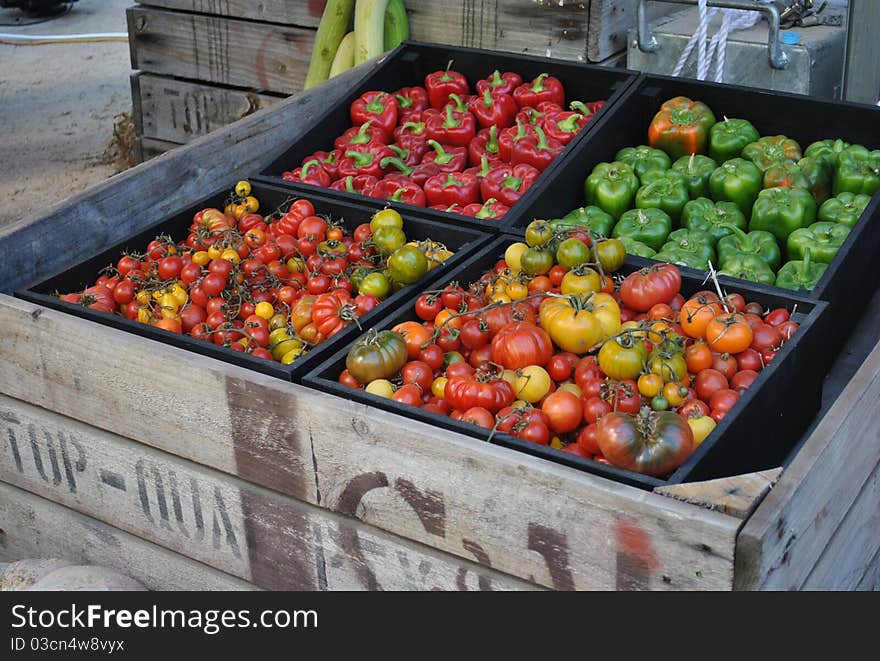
(220, 50)
(304, 14)
(871, 580)
(101, 216)
(737, 495)
(519, 514)
(255, 534)
(35, 527)
(785, 537)
(177, 111)
(146, 149)
(848, 554)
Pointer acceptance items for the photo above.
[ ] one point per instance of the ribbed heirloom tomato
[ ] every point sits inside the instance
(521, 344)
(649, 442)
(643, 289)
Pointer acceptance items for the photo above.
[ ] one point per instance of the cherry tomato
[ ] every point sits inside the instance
(742, 380)
(587, 438)
(777, 317)
(479, 416)
(749, 360)
(723, 400)
(708, 382)
(594, 408)
(725, 363)
(535, 432)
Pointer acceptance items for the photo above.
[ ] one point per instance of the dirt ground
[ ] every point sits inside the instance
(57, 107)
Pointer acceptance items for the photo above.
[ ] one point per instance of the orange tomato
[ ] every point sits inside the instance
(729, 333)
(696, 313)
(698, 357)
(415, 335)
(660, 311)
(446, 319)
(540, 284)
(168, 324)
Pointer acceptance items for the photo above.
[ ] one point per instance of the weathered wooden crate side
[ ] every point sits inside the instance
(248, 54)
(147, 148)
(518, 514)
(35, 527)
(302, 13)
(177, 111)
(252, 533)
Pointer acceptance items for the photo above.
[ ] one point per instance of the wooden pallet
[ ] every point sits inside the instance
(270, 484)
(207, 63)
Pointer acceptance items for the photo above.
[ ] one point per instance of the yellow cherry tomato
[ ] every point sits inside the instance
(264, 309)
(532, 383)
(657, 330)
(278, 320)
(573, 388)
(675, 394)
(517, 290)
(500, 298)
(701, 428)
(230, 255)
(438, 386)
(650, 385)
(214, 251)
(286, 346)
(296, 265)
(513, 256)
(201, 257)
(179, 293)
(252, 204)
(581, 280)
(380, 388)
(293, 354)
(143, 297)
(243, 188)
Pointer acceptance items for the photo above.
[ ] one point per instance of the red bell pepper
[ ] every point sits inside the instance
(329, 160)
(485, 143)
(410, 100)
(494, 109)
(589, 108)
(499, 83)
(459, 102)
(380, 108)
(543, 88)
(448, 159)
(361, 184)
(399, 190)
(451, 128)
(484, 168)
(511, 136)
(507, 183)
(441, 84)
(418, 174)
(412, 155)
(311, 172)
(538, 152)
(491, 209)
(563, 126)
(365, 134)
(448, 208)
(452, 188)
(364, 159)
(413, 130)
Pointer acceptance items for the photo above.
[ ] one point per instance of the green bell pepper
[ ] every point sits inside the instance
(727, 139)
(786, 174)
(650, 226)
(637, 248)
(826, 151)
(591, 218)
(749, 267)
(818, 176)
(822, 239)
(699, 243)
(858, 171)
(738, 181)
(612, 187)
(696, 169)
(664, 190)
(771, 150)
(844, 208)
(714, 218)
(673, 255)
(643, 159)
(801, 274)
(758, 243)
(781, 211)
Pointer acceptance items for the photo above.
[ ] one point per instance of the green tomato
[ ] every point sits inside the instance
(407, 265)
(375, 283)
(385, 218)
(388, 239)
(539, 233)
(536, 261)
(572, 252)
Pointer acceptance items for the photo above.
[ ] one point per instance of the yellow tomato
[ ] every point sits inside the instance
(214, 251)
(532, 383)
(243, 188)
(230, 255)
(517, 290)
(296, 265)
(385, 218)
(201, 258)
(657, 330)
(286, 346)
(513, 256)
(179, 293)
(500, 298)
(168, 302)
(438, 386)
(510, 377)
(264, 309)
(293, 353)
(252, 204)
(556, 443)
(145, 316)
(573, 388)
(578, 322)
(701, 427)
(380, 388)
(675, 394)
(143, 297)
(650, 385)
(581, 280)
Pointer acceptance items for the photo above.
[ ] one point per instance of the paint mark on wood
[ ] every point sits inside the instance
(636, 559)
(552, 545)
(428, 505)
(112, 479)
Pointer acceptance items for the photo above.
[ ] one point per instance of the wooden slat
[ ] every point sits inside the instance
(785, 537)
(221, 50)
(871, 580)
(303, 13)
(736, 496)
(519, 514)
(38, 528)
(177, 111)
(149, 148)
(255, 534)
(102, 216)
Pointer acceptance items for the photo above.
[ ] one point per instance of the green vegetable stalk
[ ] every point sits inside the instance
(344, 59)
(396, 25)
(331, 30)
(369, 29)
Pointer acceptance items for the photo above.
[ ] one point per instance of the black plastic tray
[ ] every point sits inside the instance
(408, 65)
(462, 241)
(849, 280)
(766, 423)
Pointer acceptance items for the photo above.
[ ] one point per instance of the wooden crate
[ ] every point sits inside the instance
(274, 485)
(207, 63)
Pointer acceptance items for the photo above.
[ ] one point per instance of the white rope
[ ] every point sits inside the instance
(732, 19)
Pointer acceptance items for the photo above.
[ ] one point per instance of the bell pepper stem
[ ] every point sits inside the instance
(805, 266)
(442, 157)
(452, 181)
(446, 75)
(376, 106)
(349, 184)
(743, 240)
(512, 182)
(397, 196)
(460, 106)
(359, 158)
(520, 130)
(497, 80)
(570, 124)
(361, 137)
(485, 169)
(400, 151)
(416, 128)
(580, 106)
(492, 142)
(542, 140)
(538, 85)
(487, 99)
(403, 102)
(307, 167)
(397, 163)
